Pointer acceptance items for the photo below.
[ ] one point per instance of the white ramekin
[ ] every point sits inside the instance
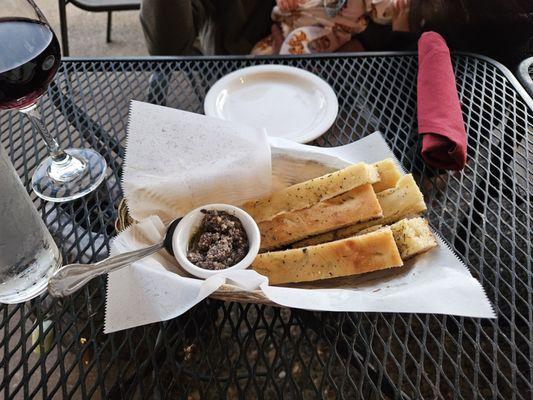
(190, 223)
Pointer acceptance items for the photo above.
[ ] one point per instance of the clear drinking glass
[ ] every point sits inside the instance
(28, 254)
(29, 59)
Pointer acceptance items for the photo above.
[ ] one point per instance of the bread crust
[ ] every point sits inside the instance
(384, 248)
(389, 175)
(356, 205)
(399, 202)
(413, 236)
(370, 252)
(306, 194)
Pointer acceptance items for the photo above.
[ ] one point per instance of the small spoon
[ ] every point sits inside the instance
(72, 277)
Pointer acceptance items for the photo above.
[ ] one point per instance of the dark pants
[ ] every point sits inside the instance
(171, 27)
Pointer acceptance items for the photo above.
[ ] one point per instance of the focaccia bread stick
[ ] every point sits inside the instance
(308, 193)
(389, 175)
(399, 202)
(356, 255)
(359, 204)
(413, 236)
(370, 252)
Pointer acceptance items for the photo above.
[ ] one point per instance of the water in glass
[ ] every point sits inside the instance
(28, 254)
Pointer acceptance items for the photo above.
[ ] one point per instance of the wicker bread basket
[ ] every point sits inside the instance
(225, 292)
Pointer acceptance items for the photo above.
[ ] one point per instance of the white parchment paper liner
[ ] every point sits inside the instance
(151, 290)
(176, 161)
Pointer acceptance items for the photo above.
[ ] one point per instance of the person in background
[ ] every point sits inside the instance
(194, 27)
(499, 29)
(325, 26)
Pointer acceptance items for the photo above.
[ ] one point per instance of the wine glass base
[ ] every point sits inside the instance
(71, 179)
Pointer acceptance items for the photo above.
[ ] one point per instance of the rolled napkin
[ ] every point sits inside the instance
(440, 120)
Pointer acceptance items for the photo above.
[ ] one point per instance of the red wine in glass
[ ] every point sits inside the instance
(29, 58)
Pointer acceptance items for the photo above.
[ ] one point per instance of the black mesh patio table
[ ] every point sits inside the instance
(57, 349)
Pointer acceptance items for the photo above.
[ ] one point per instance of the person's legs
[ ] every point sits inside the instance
(171, 26)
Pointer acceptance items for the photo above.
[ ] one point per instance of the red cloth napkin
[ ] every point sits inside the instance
(440, 120)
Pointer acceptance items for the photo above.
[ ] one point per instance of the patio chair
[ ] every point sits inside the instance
(94, 6)
(525, 74)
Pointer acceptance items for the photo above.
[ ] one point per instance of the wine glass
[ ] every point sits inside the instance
(29, 59)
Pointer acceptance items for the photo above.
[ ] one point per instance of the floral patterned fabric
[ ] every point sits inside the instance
(323, 26)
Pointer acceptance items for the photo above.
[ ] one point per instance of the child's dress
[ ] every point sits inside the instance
(323, 26)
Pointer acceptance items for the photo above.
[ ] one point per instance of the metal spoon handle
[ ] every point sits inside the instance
(68, 279)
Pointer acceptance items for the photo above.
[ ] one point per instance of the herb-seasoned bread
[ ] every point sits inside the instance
(399, 202)
(373, 251)
(356, 205)
(389, 175)
(413, 236)
(308, 193)
(380, 249)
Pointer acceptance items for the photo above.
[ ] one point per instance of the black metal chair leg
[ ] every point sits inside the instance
(63, 26)
(108, 36)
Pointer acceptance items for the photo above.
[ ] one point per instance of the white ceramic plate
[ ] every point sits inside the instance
(287, 102)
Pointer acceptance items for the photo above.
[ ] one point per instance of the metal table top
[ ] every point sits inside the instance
(56, 349)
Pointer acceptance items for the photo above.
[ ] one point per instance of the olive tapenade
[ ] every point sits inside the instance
(220, 241)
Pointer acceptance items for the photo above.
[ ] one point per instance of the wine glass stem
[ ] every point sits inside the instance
(33, 114)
